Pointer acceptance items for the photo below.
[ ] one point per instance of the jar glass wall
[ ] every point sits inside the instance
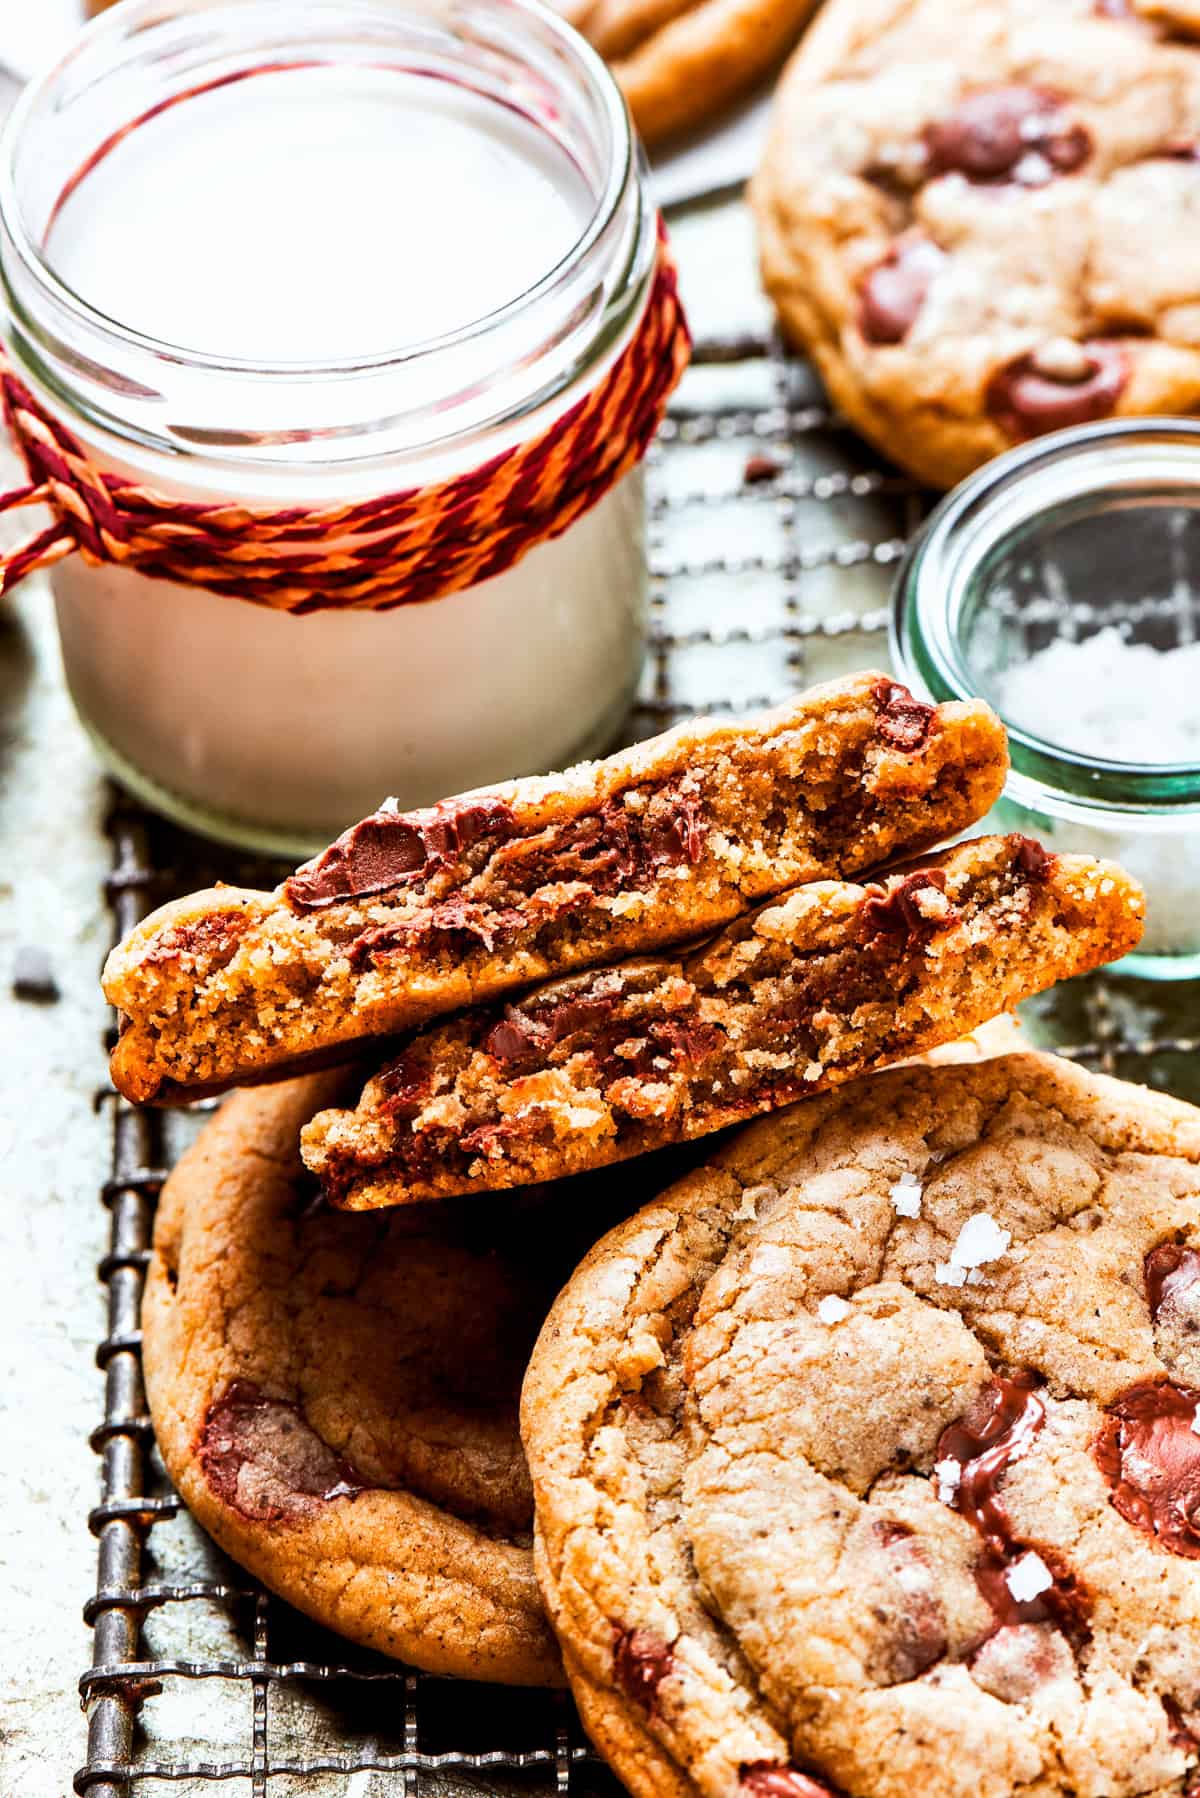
(442, 246)
(1062, 584)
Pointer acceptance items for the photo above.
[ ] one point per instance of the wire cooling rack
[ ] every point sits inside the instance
(200, 1680)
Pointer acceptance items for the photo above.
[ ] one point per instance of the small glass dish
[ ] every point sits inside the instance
(1053, 584)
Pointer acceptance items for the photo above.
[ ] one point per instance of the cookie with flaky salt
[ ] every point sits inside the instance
(866, 1460)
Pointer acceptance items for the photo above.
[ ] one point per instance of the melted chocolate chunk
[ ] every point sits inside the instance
(903, 720)
(1178, 149)
(1032, 860)
(765, 1779)
(1007, 134)
(262, 1458)
(1018, 1658)
(1150, 1455)
(893, 292)
(512, 1039)
(997, 1430)
(894, 912)
(405, 1083)
(212, 934)
(390, 848)
(641, 1661)
(1170, 1270)
(1026, 402)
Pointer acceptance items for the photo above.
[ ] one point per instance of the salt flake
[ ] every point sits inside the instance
(980, 1240)
(947, 1477)
(949, 1273)
(832, 1309)
(1028, 1577)
(906, 1196)
(1196, 1421)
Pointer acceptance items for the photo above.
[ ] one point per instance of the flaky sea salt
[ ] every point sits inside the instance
(947, 1479)
(979, 1241)
(906, 1196)
(832, 1309)
(1126, 702)
(1028, 1578)
(1196, 1421)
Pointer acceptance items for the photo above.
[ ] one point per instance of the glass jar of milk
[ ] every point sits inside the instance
(301, 253)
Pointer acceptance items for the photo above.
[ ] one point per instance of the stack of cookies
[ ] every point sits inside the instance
(866, 1441)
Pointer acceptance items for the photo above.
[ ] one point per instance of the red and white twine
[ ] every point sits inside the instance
(396, 550)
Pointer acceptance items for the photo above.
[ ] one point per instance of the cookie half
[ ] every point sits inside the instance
(980, 220)
(410, 915)
(336, 1397)
(865, 1459)
(830, 982)
(681, 62)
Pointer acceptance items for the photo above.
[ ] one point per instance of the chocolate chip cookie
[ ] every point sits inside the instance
(830, 982)
(680, 62)
(866, 1459)
(336, 1397)
(411, 914)
(981, 220)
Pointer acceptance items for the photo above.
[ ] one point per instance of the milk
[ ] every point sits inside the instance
(328, 215)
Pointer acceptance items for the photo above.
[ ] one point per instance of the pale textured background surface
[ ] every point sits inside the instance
(758, 569)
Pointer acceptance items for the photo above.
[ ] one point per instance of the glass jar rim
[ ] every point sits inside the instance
(72, 348)
(990, 506)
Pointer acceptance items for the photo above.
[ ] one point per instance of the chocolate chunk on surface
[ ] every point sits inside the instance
(391, 848)
(893, 292)
(1007, 134)
(1149, 1451)
(261, 1457)
(915, 908)
(1172, 1271)
(904, 720)
(1027, 398)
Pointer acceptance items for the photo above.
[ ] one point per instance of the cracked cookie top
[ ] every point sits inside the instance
(982, 220)
(336, 1398)
(867, 1460)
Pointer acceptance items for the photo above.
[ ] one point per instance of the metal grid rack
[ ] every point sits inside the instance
(202, 1681)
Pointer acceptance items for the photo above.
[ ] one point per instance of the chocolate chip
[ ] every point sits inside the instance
(894, 911)
(512, 1038)
(261, 1457)
(903, 720)
(1007, 134)
(1027, 400)
(33, 975)
(1032, 860)
(1178, 149)
(1150, 1454)
(1171, 1270)
(766, 1779)
(390, 848)
(759, 469)
(892, 293)
(913, 1635)
(641, 1661)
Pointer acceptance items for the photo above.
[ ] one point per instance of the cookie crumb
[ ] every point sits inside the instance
(832, 1309)
(1028, 1578)
(33, 975)
(906, 1195)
